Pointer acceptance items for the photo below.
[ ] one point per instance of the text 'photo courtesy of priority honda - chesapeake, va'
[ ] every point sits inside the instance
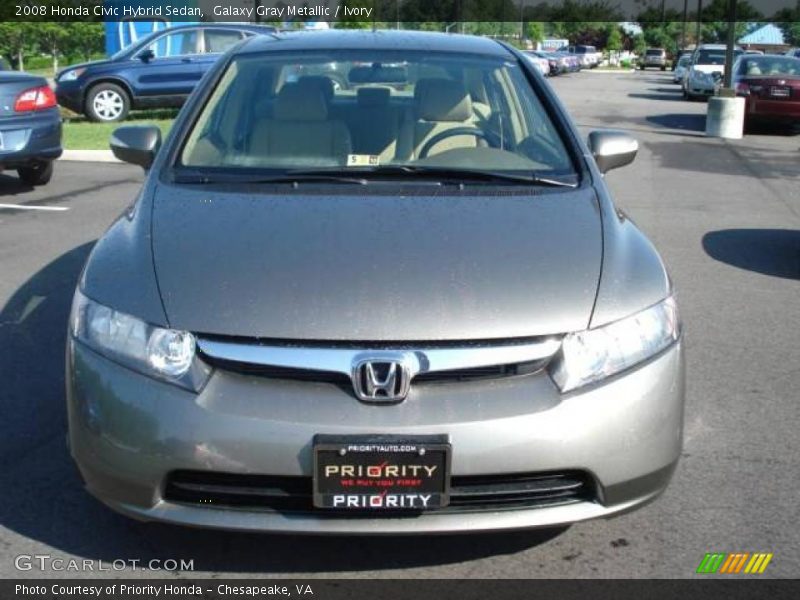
(357, 298)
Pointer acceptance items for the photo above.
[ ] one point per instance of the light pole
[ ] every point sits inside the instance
(731, 43)
(699, 20)
(683, 29)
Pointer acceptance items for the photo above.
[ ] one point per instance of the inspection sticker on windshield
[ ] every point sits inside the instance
(363, 160)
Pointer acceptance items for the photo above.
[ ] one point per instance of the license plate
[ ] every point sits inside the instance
(779, 92)
(381, 473)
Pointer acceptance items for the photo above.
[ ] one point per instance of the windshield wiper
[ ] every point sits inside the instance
(444, 174)
(292, 178)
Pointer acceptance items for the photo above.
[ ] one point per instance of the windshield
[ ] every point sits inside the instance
(772, 65)
(713, 57)
(137, 45)
(364, 110)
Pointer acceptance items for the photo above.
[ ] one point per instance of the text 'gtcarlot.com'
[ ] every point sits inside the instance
(45, 562)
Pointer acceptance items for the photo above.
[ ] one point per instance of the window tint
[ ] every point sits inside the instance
(772, 65)
(713, 57)
(218, 41)
(373, 108)
(175, 44)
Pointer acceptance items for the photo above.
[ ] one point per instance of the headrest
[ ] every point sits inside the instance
(299, 103)
(373, 96)
(442, 100)
(320, 82)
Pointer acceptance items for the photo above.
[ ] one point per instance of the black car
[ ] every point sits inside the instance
(30, 127)
(158, 71)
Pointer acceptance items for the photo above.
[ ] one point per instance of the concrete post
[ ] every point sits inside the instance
(725, 117)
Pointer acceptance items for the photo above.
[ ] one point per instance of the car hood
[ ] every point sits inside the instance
(84, 65)
(371, 268)
(709, 68)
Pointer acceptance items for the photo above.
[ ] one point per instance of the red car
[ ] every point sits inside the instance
(771, 86)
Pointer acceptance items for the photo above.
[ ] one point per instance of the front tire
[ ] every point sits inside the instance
(37, 174)
(107, 103)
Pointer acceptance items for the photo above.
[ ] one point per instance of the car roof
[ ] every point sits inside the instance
(219, 25)
(375, 40)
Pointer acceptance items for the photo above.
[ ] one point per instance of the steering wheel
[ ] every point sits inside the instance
(491, 138)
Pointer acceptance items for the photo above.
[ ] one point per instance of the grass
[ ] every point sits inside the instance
(82, 134)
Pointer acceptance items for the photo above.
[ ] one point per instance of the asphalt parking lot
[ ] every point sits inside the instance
(726, 217)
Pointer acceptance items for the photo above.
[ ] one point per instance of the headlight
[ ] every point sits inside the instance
(71, 75)
(166, 354)
(592, 355)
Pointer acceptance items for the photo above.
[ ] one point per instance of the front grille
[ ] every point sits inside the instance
(454, 375)
(273, 372)
(294, 494)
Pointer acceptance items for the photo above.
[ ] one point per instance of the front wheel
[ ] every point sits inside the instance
(107, 103)
(38, 174)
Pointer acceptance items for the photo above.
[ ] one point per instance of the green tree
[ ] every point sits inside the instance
(51, 36)
(83, 39)
(788, 19)
(16, 40)
(614, 39)
(534, 31)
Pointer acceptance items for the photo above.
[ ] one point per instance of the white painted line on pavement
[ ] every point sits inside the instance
(32, 207)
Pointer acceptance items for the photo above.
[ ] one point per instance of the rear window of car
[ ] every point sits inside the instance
(368, 108)
(654, 52)
(770, 65)
(713, 57)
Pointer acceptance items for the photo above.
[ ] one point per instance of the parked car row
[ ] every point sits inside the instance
(770, 83)
(551, 64)
(703, 72)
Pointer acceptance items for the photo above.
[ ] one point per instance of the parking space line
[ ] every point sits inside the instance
(33, 207)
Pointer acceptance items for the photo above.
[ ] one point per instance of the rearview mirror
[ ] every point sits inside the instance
(612, 149)
(137, 145)
(146, 55)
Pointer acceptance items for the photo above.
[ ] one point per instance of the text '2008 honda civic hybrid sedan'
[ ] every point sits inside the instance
(374, 283)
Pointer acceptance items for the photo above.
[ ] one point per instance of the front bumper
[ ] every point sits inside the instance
(129, 432)
(701, 88)
(30, 138)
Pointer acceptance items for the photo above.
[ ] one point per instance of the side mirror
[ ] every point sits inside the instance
(146, 55)
(612, 149)
(137, 145)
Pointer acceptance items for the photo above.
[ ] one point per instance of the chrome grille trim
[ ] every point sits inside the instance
(341, 360)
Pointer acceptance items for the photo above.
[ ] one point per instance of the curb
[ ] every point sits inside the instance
(101, 156)
(610, 71)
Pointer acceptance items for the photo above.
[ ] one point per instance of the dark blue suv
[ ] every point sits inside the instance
(158, 71)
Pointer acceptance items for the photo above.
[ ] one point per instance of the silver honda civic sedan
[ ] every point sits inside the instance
(374, 282)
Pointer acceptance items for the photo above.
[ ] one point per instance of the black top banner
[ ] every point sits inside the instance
(394, 12)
